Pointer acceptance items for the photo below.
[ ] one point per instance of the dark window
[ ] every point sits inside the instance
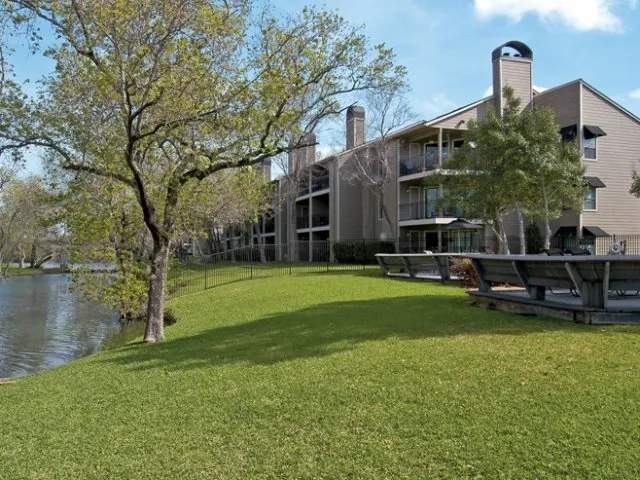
(569, 133)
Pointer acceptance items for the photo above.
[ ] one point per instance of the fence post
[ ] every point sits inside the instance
(206, 276)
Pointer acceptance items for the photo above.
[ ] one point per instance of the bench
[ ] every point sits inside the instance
(417, 265)
(592, 276)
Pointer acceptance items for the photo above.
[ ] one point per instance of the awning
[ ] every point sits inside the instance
(591, 131)
(594, 182)
(461, 224)
(594, 231)
(586, 231)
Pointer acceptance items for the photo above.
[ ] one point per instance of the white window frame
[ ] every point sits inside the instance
(595, 140)
(595, 198)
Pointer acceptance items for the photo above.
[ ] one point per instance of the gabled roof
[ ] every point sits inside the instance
(596, 92)
(455, 112)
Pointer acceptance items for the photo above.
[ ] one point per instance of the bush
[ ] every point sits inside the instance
(534, 239)
(463, 269)
(361, 251)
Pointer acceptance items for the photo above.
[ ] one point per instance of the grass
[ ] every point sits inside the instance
(26, 272)
(336, 376)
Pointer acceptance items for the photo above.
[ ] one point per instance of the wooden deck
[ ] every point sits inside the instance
(588, 289)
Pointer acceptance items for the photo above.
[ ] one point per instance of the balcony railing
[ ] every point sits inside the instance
(269, 226)
(320, 220)
(421, 163)
(320, 183)
(302, 222)
(421, 211)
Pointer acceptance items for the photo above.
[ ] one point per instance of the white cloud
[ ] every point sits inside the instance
(635, 94)
(438, 104)
(582, 15)
(539, 89)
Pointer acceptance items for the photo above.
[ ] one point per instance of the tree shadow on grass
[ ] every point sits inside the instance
(331, 328)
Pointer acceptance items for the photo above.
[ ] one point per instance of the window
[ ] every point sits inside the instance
(589, 202)
(569, 133)
(589, 148)
(589, 141)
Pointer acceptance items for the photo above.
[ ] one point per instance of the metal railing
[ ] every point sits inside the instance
(320, 183)
(422, 211)
(320, 220)
(196, 274)
(421, 163)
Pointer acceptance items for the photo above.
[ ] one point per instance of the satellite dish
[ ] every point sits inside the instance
(616, 249)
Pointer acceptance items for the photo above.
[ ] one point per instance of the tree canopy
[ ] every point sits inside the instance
(159, 95)
(516, 162)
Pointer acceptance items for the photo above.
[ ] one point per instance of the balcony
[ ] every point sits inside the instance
(318, 184)
(422, 211)
(302, 222)
(320, 220)
(269, 226)
(421, 163)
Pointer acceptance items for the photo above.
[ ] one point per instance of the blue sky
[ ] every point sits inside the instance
(446, 45)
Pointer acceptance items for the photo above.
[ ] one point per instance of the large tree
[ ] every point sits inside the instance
(158, 95)
(516, 162)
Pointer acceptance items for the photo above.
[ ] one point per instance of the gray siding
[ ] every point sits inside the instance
(565, 101)
(617, 155)
(516, 73)
(350, 210)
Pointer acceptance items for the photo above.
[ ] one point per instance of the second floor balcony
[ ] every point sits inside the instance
(424, 211)
(424, 162)
(320, 220)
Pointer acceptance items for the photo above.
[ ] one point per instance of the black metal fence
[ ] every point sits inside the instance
(195, 274)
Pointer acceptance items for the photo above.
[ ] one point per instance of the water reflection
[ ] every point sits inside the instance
(43, 324)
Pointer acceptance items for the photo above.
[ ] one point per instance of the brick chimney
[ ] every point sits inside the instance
(512, 65)
(355, 126)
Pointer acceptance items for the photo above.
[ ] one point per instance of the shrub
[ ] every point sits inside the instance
(463, 269)
(361, 251)
(534, 239)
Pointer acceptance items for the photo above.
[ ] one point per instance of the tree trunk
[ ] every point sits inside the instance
(22, 258)
(154, 331)
(33, 256)
(260, 239)
(547, 226)
(503, 242)
(521, 234)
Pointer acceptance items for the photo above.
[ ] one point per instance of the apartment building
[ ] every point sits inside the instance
(328, 206)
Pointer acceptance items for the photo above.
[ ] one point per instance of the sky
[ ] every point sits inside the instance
(446, 45)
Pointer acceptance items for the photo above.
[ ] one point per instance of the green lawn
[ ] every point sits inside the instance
(336, 376)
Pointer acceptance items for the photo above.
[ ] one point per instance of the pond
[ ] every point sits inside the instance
(43, 324)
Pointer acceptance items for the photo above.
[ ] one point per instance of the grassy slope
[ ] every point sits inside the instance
(336, 376)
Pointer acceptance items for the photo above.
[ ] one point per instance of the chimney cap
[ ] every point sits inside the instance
(355, 111)
(521, 48)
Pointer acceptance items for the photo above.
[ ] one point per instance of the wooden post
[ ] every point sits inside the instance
(485, 286)
(442, 262)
